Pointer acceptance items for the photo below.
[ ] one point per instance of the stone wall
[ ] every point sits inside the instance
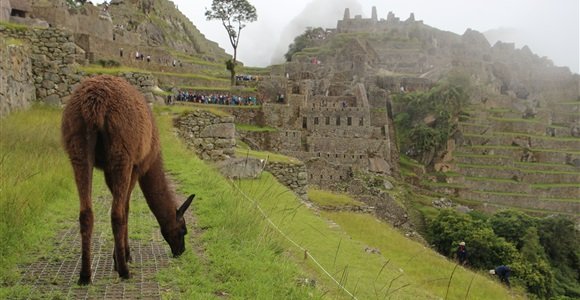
(16, 92)
(52, 54)
(293, 176)
(212, 137)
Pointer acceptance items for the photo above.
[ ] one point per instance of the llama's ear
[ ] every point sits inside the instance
(184, 206)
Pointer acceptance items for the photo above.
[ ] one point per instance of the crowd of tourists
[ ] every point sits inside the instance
(222, 99)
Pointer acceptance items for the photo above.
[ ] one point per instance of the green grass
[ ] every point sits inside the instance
(14, 26)
(241, 256)
(269, 156)
(491, 179)
(461, 154)
(514, 120)
(255, 128)
(326, 198)
(412, 270)
(192, 76)
(37, 191)
(96, 69)
(529, 171)
(556, 185)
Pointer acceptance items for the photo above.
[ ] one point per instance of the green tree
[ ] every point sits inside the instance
(561, 241)
(533, 268)
(510, 224)
(485, 249)
(234, 14)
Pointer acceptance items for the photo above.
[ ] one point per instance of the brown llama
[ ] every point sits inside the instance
(108, 125)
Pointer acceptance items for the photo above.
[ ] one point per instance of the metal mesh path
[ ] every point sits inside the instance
(55, 276)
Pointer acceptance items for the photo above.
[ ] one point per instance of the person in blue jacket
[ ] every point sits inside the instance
(503, 272)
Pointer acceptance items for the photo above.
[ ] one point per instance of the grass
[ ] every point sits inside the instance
(192, 76)
(411, 271)
(96, 69)
(269, 156)
(326, 198)
(36, 187)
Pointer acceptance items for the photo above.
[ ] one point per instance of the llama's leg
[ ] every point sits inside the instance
(82, 162)
(117, 176)
(131, 187)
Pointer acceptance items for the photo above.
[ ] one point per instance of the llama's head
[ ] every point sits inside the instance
(175, 235)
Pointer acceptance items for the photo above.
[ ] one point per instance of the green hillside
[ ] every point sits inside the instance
(233, 250)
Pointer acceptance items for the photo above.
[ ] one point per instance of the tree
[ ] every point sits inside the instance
(484, 248)
(233, 14)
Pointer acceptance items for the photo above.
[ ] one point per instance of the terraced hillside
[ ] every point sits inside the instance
(529, 163)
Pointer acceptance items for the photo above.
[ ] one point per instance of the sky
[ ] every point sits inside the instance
(549, 28)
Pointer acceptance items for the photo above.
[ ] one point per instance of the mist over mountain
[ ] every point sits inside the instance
(561, 56)
(318, 13)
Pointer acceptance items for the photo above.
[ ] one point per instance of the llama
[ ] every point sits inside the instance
(108, 125)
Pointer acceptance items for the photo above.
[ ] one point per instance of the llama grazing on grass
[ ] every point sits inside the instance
(108, 125)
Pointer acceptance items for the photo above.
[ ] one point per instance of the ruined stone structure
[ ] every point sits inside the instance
(212, 137)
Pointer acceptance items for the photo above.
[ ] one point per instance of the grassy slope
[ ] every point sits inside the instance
(242, 256)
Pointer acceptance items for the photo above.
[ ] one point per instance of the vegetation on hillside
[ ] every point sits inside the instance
(428, 119)
(543, 253)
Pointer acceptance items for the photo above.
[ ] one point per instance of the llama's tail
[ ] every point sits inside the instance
(94, 109)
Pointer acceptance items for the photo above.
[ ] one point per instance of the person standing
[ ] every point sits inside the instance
(462, 254)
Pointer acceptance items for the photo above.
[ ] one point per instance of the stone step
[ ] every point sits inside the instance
(571, 191)
(522, 200)
(482, 159)
(522, 175)
(522, 139)
(493, 184)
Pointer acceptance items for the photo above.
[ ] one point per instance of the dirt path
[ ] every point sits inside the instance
(55, 276)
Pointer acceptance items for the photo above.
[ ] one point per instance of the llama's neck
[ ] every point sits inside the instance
(158, 194)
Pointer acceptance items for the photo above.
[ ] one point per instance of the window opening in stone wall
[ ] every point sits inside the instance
(349, 121)
(341, 177)
(327, 120)
(330, 177)
(286, 133)
(361, 122)
(304, 122)
(337, 121)
(383, 131)
(321, 176)
(336, 155)
(315, 120)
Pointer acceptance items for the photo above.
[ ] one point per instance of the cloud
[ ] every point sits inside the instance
(318, 13)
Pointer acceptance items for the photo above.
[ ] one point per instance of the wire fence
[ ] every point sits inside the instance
(306, 253)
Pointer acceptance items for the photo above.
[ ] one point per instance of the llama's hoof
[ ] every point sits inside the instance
(125, 276)
(84, 280)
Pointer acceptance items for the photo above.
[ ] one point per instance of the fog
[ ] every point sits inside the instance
(549, 28)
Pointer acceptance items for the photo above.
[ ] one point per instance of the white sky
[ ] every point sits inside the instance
(549, 28)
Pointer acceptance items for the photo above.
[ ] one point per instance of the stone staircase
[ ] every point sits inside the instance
(533, 164)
